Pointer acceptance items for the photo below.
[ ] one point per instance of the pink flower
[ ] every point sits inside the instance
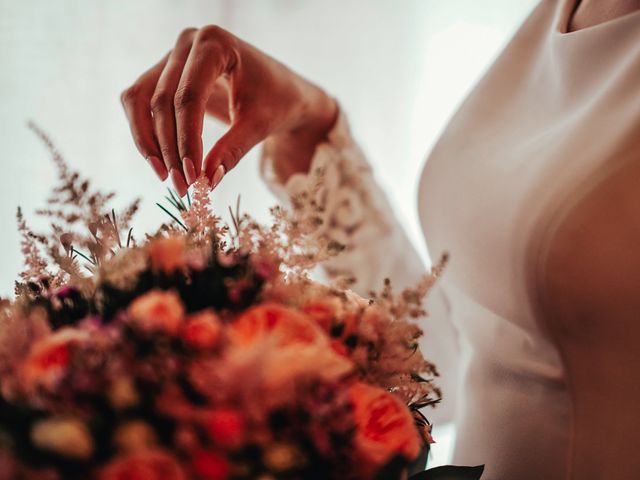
(202, 330)
(144, 465)
(157, 311)
(64, 292)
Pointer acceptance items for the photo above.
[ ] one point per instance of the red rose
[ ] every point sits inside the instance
(210, 465)
(202, 330)
(226, 427)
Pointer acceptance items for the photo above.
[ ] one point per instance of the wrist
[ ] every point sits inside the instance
(293, 148)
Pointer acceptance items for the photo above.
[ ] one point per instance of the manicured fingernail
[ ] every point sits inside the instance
(217, 176)
(189, 170)
(178, 182)
(158, 167)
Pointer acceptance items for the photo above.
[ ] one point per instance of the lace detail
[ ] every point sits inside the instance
(351, 210)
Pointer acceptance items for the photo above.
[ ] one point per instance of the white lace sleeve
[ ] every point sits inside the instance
(357, 214)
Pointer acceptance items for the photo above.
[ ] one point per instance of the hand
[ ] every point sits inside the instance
(212, 71)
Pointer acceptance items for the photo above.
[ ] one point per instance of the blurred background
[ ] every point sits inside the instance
(399, 68)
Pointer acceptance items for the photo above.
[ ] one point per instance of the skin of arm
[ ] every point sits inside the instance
(589, 282)
(588, 13)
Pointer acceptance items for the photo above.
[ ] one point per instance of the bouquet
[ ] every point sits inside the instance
(203, 351)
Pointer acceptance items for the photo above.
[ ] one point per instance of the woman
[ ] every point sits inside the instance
(532, 190)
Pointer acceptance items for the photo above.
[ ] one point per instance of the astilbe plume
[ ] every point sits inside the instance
(83, 225)
(288, 239)
(35, 264)
(203, 225)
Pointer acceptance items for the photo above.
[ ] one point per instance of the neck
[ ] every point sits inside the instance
(588, 13)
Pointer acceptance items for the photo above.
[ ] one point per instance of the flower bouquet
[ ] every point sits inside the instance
(201, 352)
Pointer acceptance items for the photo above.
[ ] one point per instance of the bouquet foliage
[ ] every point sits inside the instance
(202, 351)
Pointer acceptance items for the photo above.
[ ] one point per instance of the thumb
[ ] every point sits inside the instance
(229, 150)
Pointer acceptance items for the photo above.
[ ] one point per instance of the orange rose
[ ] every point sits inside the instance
(48, 358)
(385, 426)
(167, 254)
(157, 311)
(143, 465)
(339, 347)
(324, 311)
(202, 330)
(284, 324)
(286, 364)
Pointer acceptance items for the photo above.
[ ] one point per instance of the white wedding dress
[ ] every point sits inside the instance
(554, 116)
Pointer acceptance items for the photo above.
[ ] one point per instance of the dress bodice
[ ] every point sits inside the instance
(549, 119)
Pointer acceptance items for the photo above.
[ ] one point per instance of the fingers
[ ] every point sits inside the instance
(162, 107)
(230, 149)
(218, 103)
(135, 101)
(209, 58)
(167, 104)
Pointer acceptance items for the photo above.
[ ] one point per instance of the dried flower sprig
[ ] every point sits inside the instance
(83, 225)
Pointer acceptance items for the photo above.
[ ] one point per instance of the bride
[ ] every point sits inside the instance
(532, 189)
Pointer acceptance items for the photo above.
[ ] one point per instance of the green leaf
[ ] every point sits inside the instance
(179, 204)
(420, 464)
(78, 252)
(393, 470)
(450, 472)
(172, 216)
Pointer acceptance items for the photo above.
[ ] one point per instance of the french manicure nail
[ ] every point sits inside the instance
(189, 170)
(217, 176)
(158, 167)
(178, 182)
